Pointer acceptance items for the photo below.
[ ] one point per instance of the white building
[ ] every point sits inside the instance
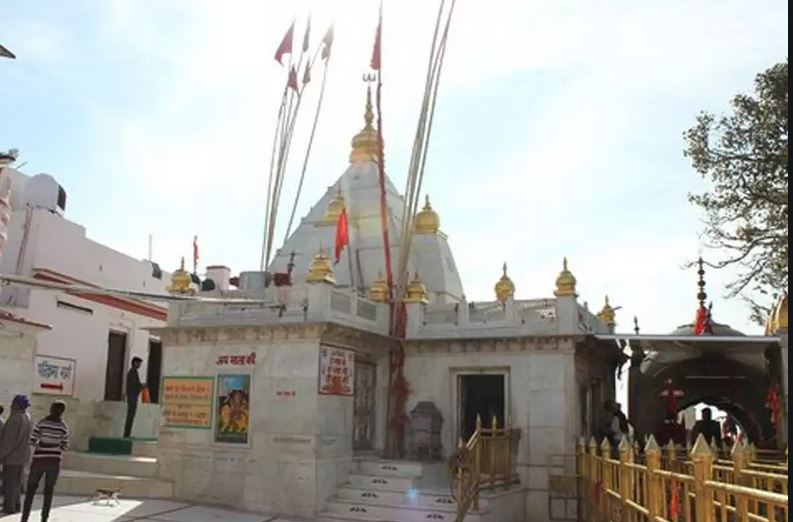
(97, 335)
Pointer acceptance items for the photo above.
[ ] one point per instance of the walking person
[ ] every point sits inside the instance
(15, 452)
(134, 387)
(50, 439)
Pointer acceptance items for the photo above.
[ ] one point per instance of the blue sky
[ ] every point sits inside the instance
(558, 131)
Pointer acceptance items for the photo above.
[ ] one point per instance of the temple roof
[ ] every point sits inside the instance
(358, 190)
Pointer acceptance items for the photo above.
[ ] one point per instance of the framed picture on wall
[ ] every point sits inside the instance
(336, 371)
(232, 407)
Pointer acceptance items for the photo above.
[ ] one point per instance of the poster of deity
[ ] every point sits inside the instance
(336, 371)
(233, 409)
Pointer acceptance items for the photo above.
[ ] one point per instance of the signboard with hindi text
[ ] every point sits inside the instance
(336, 371)
(187, 402)
(54, 375)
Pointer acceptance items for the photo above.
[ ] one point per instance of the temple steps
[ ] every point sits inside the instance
(395, 491)
(135, 475)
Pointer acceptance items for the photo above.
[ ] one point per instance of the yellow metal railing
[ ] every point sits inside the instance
(483, 462)
(670, 486)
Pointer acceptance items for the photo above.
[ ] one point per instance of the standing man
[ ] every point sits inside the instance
(50, 439)
(707, 427)
(15, 452)
(134, 388)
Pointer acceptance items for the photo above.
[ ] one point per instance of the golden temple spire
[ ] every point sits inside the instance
(181, 281)
(608, 314)
(427, 221)
(416, 291)
(334, 209)
(320, 270)
(565, 282)
(379, 289)
(504, 288)
(364, 144)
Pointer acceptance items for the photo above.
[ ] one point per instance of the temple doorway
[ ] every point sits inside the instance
(483, 395)
(364, 415)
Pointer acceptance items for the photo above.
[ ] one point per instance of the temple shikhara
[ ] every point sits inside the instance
(349, 378)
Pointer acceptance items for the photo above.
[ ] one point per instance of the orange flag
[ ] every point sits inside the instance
(342, 234)
(375, 62)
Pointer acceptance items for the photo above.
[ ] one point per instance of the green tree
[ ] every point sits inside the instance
(745, 156)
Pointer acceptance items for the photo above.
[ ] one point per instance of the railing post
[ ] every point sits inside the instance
(477, 461)
(625, 483)
(592, 459)
(493, 428)
(702, 456)
(653, 454)
(738, 465)
(606, 477)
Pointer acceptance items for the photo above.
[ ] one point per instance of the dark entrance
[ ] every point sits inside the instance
(481, 395)
(114, 373)
(364, 406)
(154, 370)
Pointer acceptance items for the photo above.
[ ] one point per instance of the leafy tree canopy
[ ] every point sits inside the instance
(745, 156)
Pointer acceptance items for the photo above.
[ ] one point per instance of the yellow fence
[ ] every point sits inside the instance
(665, 486)
(484, 462)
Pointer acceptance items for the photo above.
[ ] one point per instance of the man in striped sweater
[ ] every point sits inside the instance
(50, 439)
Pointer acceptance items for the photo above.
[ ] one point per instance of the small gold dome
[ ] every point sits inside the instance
(320, 270)
(181, 281)
(364, 144)
(334, 209)
(565, 283)
(379, 289)
(416, 292)
(427, 221)
(505, 288)
(608, 315)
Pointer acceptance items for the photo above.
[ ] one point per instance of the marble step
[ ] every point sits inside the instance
(410, 498)
(380, 483)
(401, 513)
(133, 465)
(83, 483)
(145, 449)
(327, 516)
(390, 468)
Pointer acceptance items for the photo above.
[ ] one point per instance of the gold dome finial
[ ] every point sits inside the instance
(379, 289)
(565, 283)
(416, 292)
(181, 281)
(607, 314)
(364, 144)
(320, 270)
(334, 208)
(427, 221)
(505, 288)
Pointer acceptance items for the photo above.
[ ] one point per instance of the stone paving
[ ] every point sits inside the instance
(78, 509)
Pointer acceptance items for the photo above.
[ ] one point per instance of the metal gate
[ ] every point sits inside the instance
(364, 406)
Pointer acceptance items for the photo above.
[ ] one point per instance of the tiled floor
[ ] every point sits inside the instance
(78, 509)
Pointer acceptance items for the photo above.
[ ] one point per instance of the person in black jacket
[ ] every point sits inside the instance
(134, 388)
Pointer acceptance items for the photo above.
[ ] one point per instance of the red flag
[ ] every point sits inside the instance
(292, 78)
(671, 399)
(773, 403)
(195, 250)
(701, 323)
(674, 500)
(286, 44)
(342, 234)
(327, 42)
(306, 35)
(375, 62)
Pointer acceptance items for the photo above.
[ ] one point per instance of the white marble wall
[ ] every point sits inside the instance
(300, 445)
(17, 351)
(542, 403)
